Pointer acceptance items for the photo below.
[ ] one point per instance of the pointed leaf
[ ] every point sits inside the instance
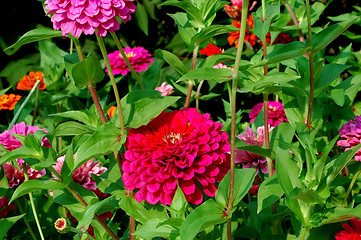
(268, 193)
(172, 60)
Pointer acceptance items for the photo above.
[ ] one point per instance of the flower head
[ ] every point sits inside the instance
(9, 101)
(138, 57)
(5, 207)
(181, 148)
(111, 111)
(62, 225)
(77, 16)
(249, 159)
(352, 132)
(28, 81)
(352, 232)
(165, 89)
(249, 37)
(276, 113)
(211, 50)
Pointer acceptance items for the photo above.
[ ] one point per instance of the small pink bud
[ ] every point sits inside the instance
(62, 225)
(165, 89)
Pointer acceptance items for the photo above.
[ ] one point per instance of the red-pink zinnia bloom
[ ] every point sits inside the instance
(352, 232)
(82, 175)
(14, 176)
(249, 159)
(5, 207)
(181, 147)
(138, 57)
(276, 113)
(352, 132)
(165, 89)
(77, 16)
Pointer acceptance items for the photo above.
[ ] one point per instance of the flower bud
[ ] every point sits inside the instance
(62, 225)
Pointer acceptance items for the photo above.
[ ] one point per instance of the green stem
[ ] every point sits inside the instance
(124, 56)
(310, 105)
(197, 95)
(25, 218)
(25, 170)
(351, 186)
(233, 111)
(190, 84)
(79, 231)
(36, 105)
(23, 105)
(294, 20)
(303, 233)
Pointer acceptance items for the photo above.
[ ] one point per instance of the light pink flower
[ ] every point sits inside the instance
(14, 176)
(276, 113)
(249, 159)
(165, 89)
(82, 175)
(77, 16)
(237, 2)
(5, 207)
(181, 147)
(352, 232)
(138, 57)
(352, 132)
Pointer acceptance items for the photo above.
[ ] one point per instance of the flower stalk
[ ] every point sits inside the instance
(353, 181)
(294, 20)
(233, 111)
(190, 84)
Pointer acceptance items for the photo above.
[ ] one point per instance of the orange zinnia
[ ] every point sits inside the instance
(28, 81)
(111, 111)
(9, 101)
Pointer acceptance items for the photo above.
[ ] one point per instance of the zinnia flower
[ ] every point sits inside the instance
(5, 207)
(352, 132)
(249, 159)
(211, 50)
(77, 16)
(9, 101)
(352, 232)
(181, 148)
(28, 81)
(138, 57)
(276, 113)
(111, 111)
(165, 89)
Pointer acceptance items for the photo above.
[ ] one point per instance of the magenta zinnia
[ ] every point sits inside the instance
(183, 148)
(276, 113)
(77, 16)
(352, 132)
(352, 232)
(138, 57)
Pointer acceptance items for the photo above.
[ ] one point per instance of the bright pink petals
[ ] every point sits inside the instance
(352, 232)
(138, 57)
(276, 113)
(183, 148)
(165, 89)
(77, 16)
(352, 132)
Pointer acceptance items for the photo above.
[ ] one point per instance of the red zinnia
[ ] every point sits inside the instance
(352, 232)
(182, 148)
(211, 50)
(28, 81)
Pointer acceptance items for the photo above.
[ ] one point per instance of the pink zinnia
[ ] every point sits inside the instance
(276, 113)
(5, 207)
(181, 148)
(352, 232)
(165, 89)
(249, 159)
(77, 16)
(14, 176)
(138, 57)
(82, 175)
(352, 132)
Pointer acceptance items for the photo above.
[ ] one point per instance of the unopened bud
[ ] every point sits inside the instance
(62, 225)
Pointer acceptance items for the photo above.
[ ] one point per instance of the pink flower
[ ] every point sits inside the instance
(4, 207)
(82, 175)
(249, 159)
(237, 2)
(77, 16)
(165, 89)
(352, 132)
(183, 148)
(276, 113)
(352, 232)
(14, 176)
(138, 57)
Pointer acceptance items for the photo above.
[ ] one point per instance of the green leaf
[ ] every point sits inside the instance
(33, 36)
(84, 116)
(70, 61)
(323, 38)
(264, 152)
(151, 229)
(205, 215)
(141, 16)
(179, 204)
(217, 74)
(190, 9)
(283, 52)
(36, 185)
(151, 76)
(2, 91)
(293, 108)
(7, 223)
(261, 28)
(351, 87)
(338, 95)
(105, 140)
(339, 214)
(211, 31)
(172, 60)
(268, 193)
(309, 196)
(217, 58)
(72, 128)
(243, 179)
(185, 29)
(87, 72)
